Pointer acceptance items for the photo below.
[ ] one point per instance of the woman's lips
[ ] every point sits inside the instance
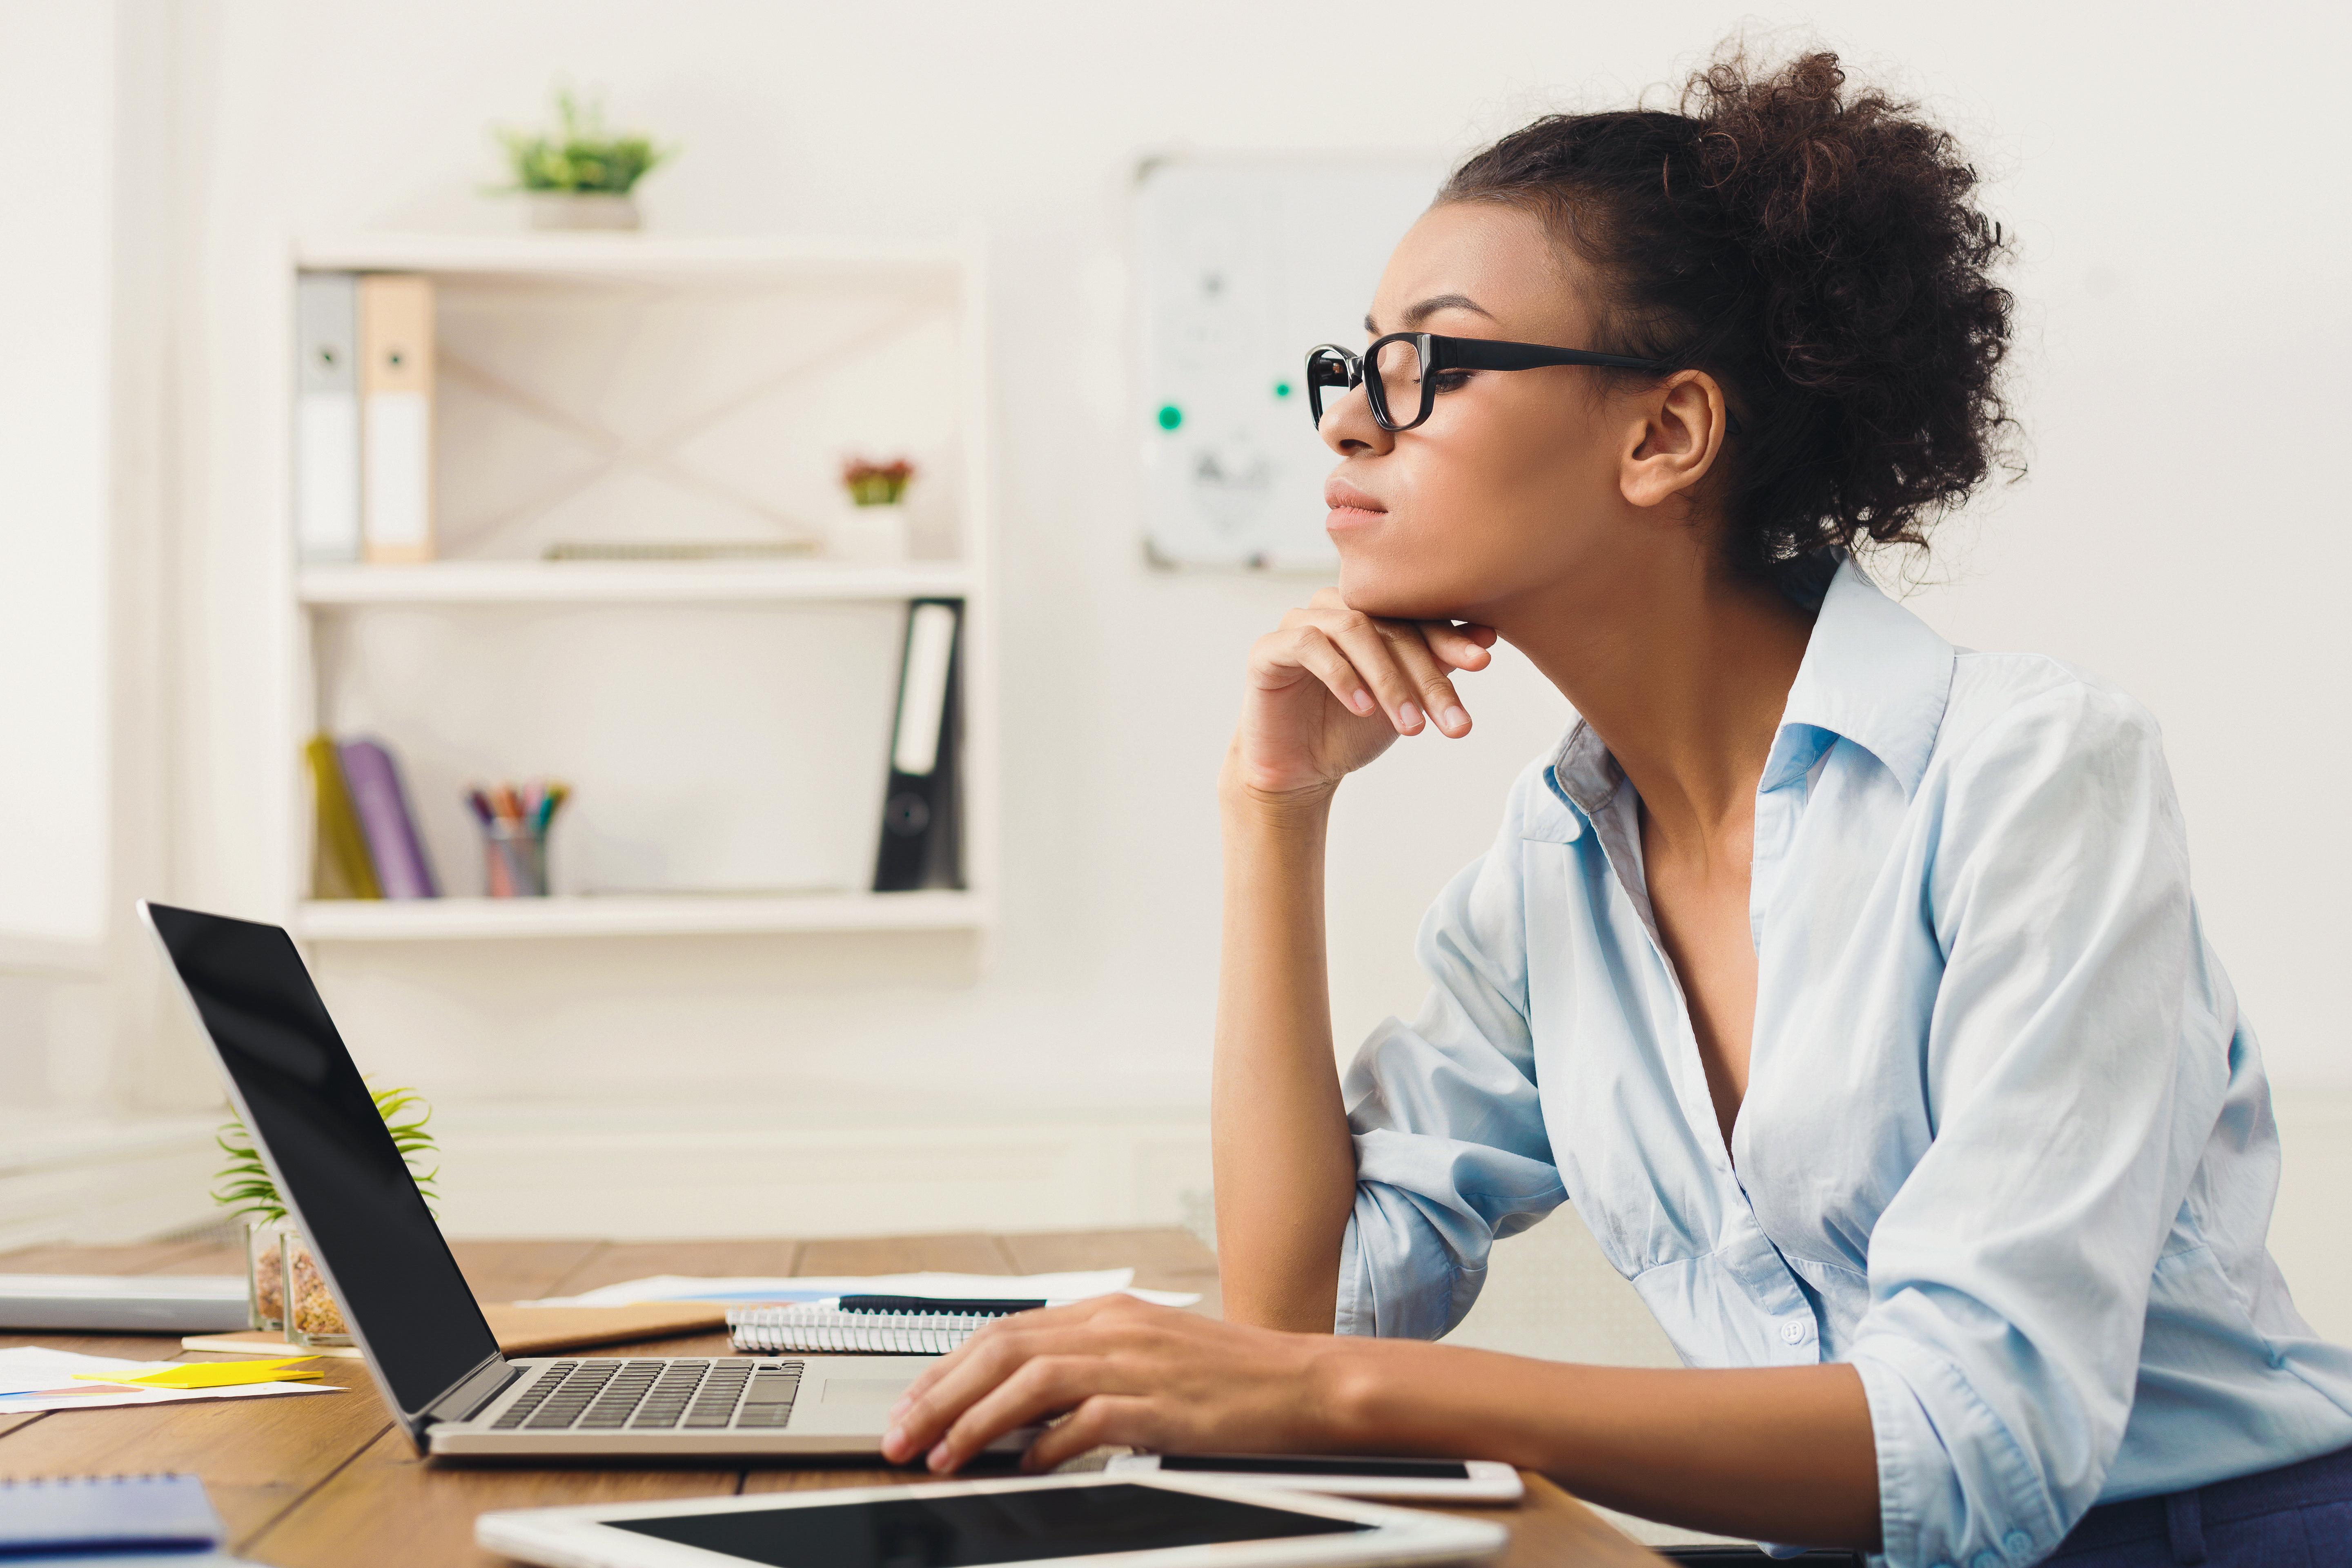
(1350, 508)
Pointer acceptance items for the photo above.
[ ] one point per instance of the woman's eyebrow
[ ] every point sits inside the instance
(1430, 307)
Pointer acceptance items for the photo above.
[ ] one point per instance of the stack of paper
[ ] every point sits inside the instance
(34, 1379)
(1053, 1288)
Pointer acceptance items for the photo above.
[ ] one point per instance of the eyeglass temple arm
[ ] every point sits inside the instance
(1485, 353)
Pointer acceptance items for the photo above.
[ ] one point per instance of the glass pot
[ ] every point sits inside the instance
(265, 1274)
(312, 1318)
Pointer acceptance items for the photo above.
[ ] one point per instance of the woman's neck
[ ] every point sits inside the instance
(1683, 671)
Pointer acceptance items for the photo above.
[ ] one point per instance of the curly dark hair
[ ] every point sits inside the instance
(1819, 253)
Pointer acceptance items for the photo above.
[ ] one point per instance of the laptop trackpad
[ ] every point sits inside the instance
(865, 1390)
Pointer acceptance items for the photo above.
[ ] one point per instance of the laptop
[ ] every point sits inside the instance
(408, 1308)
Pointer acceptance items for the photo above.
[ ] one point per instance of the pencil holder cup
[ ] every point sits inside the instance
(312, 1318)
(517, 861)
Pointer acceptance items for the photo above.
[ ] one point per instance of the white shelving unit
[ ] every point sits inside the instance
(723, 723)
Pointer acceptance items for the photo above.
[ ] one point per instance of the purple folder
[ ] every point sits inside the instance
(391, 827)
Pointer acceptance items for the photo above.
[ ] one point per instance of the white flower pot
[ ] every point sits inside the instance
(581, 209)
(874, 536)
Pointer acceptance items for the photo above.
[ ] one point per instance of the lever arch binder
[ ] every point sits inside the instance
(921, 804)
(327, 417)
(396, 312)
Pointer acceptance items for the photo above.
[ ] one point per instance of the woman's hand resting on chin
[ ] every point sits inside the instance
(1334, 688)
(1125, 1371)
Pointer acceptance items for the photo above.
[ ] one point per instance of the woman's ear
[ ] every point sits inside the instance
(1681, 430)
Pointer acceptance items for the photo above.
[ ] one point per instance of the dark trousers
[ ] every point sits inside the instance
(2299, 1516)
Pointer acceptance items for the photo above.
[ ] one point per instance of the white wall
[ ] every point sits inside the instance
(56, 95)
(2172, 184)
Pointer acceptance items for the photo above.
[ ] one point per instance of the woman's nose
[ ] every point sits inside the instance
(1349, 427)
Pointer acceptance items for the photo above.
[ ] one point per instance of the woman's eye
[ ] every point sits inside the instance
(1450, 379)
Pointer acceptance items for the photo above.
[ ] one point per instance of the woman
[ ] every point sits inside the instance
(1850, 985)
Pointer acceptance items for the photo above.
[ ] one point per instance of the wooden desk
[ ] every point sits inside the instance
(328, 1480)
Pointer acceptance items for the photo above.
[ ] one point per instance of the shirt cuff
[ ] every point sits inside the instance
(1952, 1484)
(1349, 1315)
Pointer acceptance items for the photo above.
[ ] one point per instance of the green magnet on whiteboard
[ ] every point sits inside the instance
(1170, 417)
(1282, 389)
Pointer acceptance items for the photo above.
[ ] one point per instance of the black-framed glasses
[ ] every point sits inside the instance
(1401, 373)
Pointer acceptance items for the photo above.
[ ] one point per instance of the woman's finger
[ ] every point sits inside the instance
(1409, 645)
(1045, 1386)
(950, 1384)
(1277, 659)
(1123, 1418)
(929, 1409)
(1460, 646)
(1322, 659)
(1366, 647)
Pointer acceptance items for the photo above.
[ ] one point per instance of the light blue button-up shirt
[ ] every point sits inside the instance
(2006, 1147)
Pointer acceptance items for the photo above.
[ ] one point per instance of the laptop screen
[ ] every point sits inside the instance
(306, 1104)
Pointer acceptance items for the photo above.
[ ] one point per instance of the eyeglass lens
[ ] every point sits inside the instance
(1394, 372)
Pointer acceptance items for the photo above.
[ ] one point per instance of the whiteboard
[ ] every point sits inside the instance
(1243, 265)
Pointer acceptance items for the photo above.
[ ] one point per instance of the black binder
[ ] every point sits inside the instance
(922, 807)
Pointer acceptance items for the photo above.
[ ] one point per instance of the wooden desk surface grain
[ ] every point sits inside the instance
(328, 1481)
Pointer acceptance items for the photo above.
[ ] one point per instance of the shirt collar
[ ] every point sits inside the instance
(1873, 674)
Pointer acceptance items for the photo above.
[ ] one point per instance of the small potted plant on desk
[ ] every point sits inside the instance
(285, 1292)
(579, 174)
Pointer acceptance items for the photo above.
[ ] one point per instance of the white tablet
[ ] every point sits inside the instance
(1142, 1520)
(1433, 1480)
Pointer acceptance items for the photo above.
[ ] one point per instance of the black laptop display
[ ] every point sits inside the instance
(318, 1129)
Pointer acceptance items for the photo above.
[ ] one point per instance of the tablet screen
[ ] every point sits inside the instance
(1297, 1465)
(983, 1527)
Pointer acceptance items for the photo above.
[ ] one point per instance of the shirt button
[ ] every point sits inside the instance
(1794, 1333)
(2016, 1543)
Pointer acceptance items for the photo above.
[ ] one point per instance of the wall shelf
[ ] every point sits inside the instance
(599, 582)
(616, 257)
(466, 920)
(722, 722)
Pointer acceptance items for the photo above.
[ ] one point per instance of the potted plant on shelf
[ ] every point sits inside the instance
(874, 526)
(275, 1252)
(579, 174)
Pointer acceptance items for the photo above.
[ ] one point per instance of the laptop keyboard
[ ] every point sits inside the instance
(729, 1392)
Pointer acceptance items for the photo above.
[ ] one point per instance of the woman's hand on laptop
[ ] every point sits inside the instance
(1127, 1372)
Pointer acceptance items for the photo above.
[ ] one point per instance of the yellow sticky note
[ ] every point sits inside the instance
(211, 1374)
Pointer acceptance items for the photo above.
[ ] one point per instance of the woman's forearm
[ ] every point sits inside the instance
(1286, 1166)
(1781, 1454)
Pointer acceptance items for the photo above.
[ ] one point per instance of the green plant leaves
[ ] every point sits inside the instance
(246, 1187)
(580, 156)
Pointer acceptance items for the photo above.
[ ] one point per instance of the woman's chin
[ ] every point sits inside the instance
(1383, 589)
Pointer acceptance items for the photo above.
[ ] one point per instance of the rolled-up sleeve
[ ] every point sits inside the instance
(1451, 1150)
(2009, 1275)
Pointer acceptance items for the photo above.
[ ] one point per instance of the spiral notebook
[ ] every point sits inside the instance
(106, 1513)
(866, 1325)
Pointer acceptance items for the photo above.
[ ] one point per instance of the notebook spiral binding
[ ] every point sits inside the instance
(805, 1330)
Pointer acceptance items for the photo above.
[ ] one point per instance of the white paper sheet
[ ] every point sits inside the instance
(33, 1378)
(1055, 1287)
